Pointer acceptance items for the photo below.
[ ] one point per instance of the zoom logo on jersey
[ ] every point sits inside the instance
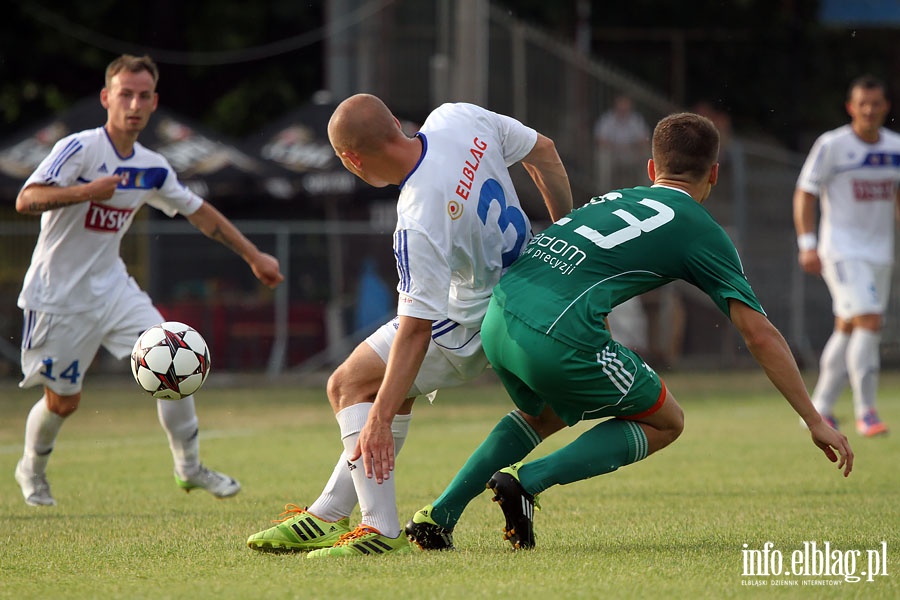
(110, 219)
(556, 252)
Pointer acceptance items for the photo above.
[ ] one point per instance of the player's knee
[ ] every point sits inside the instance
(671, 424)
(62, 405)
(345, 388)
(677, 426)
(334, 388)
(545, 424)
(871, 322)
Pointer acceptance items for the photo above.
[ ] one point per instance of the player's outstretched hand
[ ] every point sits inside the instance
(266, 269)
(829, 440)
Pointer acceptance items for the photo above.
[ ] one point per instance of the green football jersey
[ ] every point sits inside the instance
(617, 246)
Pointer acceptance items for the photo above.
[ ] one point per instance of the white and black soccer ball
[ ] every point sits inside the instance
(170, 360)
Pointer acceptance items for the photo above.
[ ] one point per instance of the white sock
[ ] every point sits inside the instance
(41, 429)
(339, 496)
(179, 419)
(338, 499)
(832, 373)
(400, 429)
(377, 501)
(863, 363)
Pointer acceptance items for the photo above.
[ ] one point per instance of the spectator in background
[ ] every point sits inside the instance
(623, 147)
(722, 120)
(622, 140)
(853, 171)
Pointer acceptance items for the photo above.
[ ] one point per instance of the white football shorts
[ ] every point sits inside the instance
(57, 349)
(857, 287)
(454, 355)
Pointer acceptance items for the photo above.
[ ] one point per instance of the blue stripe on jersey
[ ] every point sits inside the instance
(873, 160)
(463, 345)
(28, 329)
(142, 179)
(65, 154)
(424, 139)
(401, 254)
(881, 159)
(440, 328)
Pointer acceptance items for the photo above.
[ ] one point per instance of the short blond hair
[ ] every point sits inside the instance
(132, 64)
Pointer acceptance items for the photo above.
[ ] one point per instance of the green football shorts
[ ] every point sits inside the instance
(539, 371)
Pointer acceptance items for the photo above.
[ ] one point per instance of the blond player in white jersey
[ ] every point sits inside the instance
(77, 294)
(460, 225)
(853, 172)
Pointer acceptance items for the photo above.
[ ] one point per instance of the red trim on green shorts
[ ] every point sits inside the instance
(652, 409)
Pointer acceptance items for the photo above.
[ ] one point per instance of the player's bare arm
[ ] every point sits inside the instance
(37, 198)
(773, 354)
(805, 224)
(376, 442)
(546, 169)
(214, 225)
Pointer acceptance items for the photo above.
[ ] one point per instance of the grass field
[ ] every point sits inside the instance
(672, 526)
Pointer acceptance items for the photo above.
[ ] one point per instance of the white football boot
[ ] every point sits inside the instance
(34, 486)
(217, 484)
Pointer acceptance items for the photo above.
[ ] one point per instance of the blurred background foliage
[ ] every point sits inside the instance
(235, 66)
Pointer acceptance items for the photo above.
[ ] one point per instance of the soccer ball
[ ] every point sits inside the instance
(170, 360)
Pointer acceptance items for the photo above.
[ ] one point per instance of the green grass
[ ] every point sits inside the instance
(672, 526)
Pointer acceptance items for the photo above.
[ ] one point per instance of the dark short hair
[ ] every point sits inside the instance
(685, 144)
(133, 64)
(867, 82)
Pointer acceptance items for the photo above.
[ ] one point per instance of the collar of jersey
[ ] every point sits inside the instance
(424, 139)
(659, 185)
(109, 139)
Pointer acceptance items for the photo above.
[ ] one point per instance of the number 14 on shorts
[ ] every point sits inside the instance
(71, 372)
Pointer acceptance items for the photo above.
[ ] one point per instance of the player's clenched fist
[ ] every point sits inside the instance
(102, 188)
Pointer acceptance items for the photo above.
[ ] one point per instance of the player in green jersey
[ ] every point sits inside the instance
(546, 336)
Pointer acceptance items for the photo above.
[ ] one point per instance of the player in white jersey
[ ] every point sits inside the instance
(77, 294)
(853, 172)
(460, 225)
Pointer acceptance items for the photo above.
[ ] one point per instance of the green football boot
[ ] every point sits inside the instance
(364, 541)
(299, 530)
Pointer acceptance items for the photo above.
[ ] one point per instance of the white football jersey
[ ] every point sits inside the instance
(76, 264)
(857, 185)
(460, 224)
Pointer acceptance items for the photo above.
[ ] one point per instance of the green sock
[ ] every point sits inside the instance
(601, 449)
(510, 441)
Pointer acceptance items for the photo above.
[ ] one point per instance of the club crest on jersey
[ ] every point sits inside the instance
(454, 209)
(141, 179)
(110, 219)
